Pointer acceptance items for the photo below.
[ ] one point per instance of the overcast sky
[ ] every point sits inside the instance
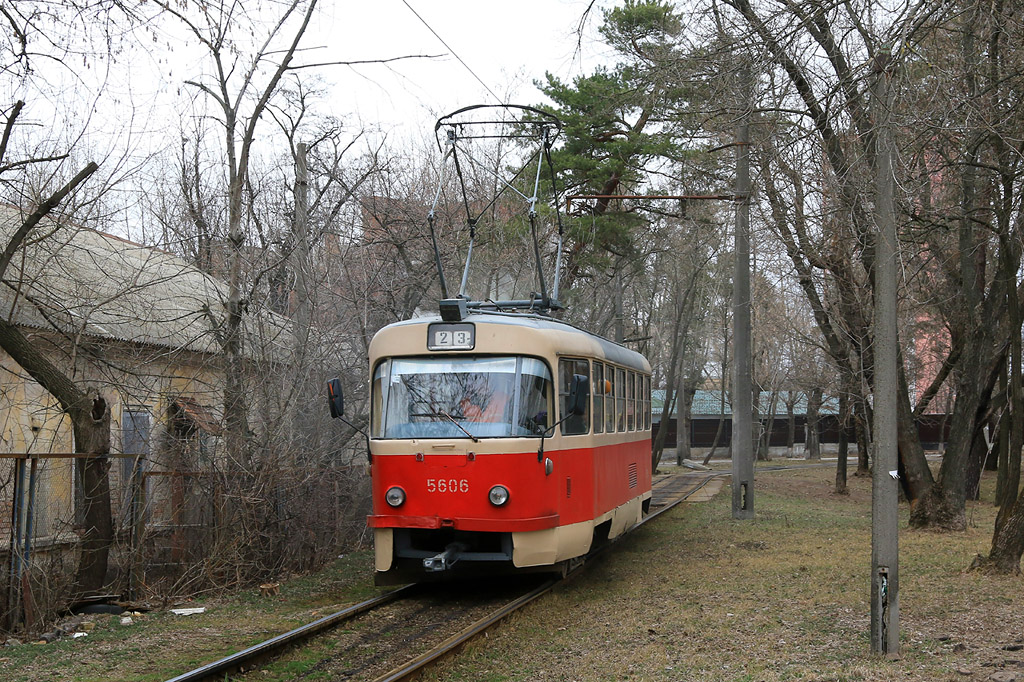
(131, 107)
(508, 45)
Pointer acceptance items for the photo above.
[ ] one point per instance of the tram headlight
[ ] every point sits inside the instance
(498, 495)
(395, 496)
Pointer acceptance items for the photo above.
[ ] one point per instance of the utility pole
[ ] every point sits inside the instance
(742, 399)
(302, 311)
(885, 612)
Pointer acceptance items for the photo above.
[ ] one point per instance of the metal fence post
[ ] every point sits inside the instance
(14, 575)
(26, 589)
(138, 526)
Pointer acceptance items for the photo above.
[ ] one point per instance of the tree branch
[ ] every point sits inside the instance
(41, 211)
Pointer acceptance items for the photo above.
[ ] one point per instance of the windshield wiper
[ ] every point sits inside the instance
(442, 413)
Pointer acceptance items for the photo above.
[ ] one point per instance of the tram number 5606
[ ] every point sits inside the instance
(447, 485)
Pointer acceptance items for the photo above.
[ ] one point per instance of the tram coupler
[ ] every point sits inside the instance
(446, 559)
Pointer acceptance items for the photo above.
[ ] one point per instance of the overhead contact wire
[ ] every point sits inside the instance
(454, 53)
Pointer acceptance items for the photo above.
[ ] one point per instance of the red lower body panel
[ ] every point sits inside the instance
(451, 490)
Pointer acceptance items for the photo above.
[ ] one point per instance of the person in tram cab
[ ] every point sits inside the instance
(485, 406)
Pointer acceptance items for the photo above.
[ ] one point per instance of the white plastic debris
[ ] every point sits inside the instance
(76, 635)
(126, 620)
(696, 466)
(189, 612)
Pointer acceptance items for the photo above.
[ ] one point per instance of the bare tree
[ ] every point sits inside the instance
(241, 89)
(30, 38)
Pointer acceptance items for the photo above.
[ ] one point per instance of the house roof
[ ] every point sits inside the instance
(709, 404)
(81, 281)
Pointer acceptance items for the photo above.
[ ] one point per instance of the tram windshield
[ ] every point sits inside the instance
(459, 397)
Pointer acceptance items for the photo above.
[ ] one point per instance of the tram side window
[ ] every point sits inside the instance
(534, 398)
(598, 395)
(577, 423)
(639, 402)
(647, 403)
(609, 399)
(380, 373)
(620, 399)
(631, 402)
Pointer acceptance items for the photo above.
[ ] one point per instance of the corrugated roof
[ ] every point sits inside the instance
(83, 281)
(709, 403)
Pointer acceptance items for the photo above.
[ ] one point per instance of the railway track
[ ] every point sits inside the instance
(418, 615)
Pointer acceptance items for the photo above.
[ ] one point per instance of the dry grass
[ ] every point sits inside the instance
(160, 645)
(695, 596)
(699, 596)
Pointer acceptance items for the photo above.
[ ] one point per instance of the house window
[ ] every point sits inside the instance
(136, 427)
(192, 428)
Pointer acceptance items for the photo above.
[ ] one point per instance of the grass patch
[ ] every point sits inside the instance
(701, 596)
(694, 596)
(160, 645)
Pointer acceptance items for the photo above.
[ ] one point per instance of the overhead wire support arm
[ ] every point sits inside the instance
(533, 227)
(470, 220)
(459, 141)
(433, 233)
(558, 219)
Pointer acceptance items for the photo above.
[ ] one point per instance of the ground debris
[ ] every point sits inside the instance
(1004, 676)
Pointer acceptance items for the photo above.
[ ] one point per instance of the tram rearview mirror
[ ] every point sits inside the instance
(579, 395)
(335, 398)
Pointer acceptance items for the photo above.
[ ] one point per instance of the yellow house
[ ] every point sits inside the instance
(134, 322)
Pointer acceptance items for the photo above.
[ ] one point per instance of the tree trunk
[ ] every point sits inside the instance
(944, 505)
(844, 443)
(92, 438)
(813, 409)
(721, 408)
(863, 446)
(658, 446)
(90, 421)
(790, 424)
(687, 389)
(979, 455)
(718, 435)
(1007, 543)
(916, 477)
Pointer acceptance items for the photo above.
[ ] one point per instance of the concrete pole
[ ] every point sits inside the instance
(885, 636)
(300, 257)
(300, 435)
(742, 399)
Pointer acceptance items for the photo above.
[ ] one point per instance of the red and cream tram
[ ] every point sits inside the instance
(502, 442)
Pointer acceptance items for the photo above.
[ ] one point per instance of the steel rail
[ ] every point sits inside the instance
(448, 646)
(242, 659)
(239, 660)
(669, 505)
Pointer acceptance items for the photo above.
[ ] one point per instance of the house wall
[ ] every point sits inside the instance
(138, 381)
